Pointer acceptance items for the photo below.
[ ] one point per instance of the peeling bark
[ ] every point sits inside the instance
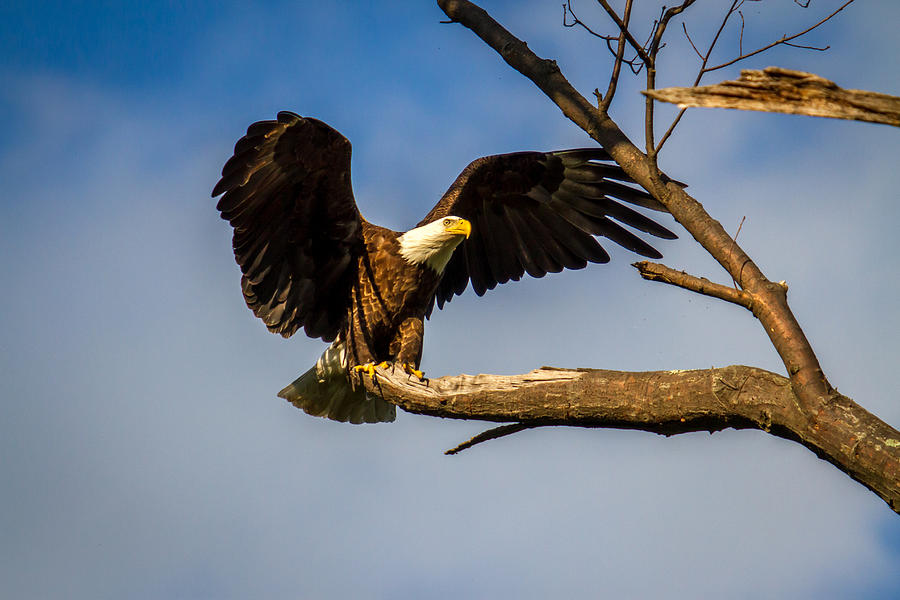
(782, 90)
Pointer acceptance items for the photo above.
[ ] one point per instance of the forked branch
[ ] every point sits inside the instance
(785, 39)
(873, 454)
(705, 57)
(770, 302)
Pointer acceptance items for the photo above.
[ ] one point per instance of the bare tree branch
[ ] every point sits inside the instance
(605, 100)
(655, 47)
(770, 303)
(663, 402)
(815, 407)
(664, 22)
(491, 434)
(657, 272)
(704, 69)
(568, 10)
(623, 28)
(704, 61)
(617, 66)
(794, 92)
(690, 41)
(648, 53)
(783, 40)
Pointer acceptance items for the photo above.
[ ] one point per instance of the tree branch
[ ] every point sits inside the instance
(657, 272)
(491, 434)
(617, 66)
(770, 302)
(655, 46)
(663, 402)
(782, 90)
(815, 403)
(704, 60)
(783, 40)
(623, 28)
(568, 10)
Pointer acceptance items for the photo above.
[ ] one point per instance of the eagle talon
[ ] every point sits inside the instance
(369, 368)
(408, 368)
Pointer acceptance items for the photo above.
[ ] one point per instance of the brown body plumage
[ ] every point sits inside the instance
(308, 258)
(388, 301)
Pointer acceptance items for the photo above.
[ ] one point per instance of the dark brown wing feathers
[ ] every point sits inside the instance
(538, 213)
(297, 231)
(287, 194)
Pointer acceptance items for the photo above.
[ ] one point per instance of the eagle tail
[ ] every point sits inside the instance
(325, 391)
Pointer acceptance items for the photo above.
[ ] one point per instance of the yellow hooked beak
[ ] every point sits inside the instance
(461, 227)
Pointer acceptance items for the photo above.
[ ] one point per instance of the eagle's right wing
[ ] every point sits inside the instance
(296, 224)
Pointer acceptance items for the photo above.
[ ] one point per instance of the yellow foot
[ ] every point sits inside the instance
(408, 368)
(369, 368)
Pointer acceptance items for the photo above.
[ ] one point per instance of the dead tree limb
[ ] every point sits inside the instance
(770, 299)
(657, 272)
(663, 402)
(781, 90)
(816, 409)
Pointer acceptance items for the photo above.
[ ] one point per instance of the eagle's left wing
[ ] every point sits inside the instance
(297, 231)
(538, 213)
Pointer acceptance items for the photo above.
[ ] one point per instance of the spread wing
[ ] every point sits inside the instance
(538, 213)
(296, 226)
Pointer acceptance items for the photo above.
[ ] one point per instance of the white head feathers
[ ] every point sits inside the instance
(433, 244)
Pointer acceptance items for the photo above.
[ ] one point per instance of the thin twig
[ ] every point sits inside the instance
(688, 36)
(624, 29)
(669, 131)
(492, 434)
(705, 59)
(567, 10)
(783, 40)
(664, 22)
(734, 243)
(657, 272)
(801, 46)
(632, 63)
(617, 67)
(650, 145)
(735, 6)
(715, 40)
(655, 46)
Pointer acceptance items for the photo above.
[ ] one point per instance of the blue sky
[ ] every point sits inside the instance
(143, 452)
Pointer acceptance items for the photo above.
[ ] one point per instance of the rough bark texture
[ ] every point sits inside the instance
(782, 90)
(810, 411)
(665, 402)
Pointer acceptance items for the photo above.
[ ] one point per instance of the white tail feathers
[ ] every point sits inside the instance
(325, 391)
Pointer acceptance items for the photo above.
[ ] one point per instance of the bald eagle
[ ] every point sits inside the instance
(310, 260)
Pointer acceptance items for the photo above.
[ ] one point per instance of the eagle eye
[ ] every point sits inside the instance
(448, 222)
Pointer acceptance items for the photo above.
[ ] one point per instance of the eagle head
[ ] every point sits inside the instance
(433, 244)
